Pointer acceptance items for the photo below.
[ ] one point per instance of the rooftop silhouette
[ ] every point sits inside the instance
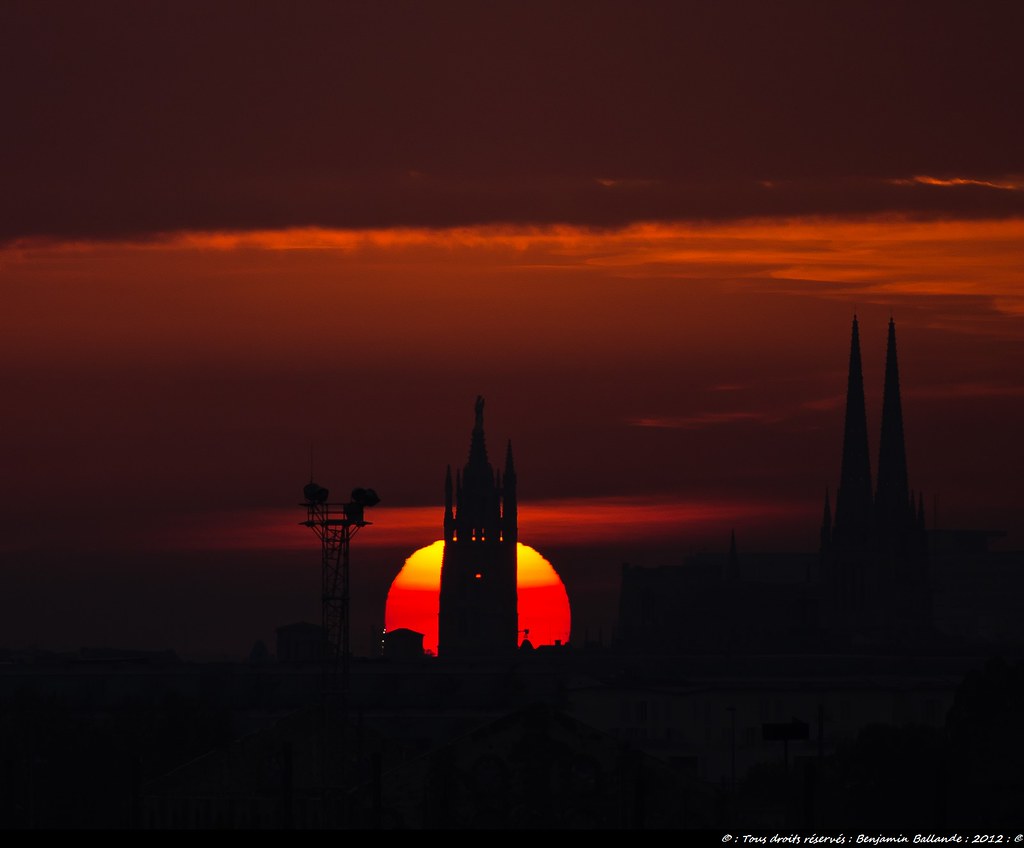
(731, 678)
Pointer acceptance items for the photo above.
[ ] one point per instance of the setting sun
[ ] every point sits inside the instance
(544, 615)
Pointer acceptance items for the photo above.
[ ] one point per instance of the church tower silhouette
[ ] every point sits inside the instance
(894, 507)
(478, 606)
(874, 556)
(853, 500)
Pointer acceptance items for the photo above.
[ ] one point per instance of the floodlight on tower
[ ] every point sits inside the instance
(335, 524)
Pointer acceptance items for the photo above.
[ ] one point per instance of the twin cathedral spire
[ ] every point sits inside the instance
(886, 515)
(874, 553)
(873, 547)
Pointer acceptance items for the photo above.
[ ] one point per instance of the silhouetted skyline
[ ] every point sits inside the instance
(233, 239)
(741, 281)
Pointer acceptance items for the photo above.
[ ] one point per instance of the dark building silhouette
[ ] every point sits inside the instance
(874, 557)
(853, 500)
(301, 642)
(720, 603)
(478, 606)
(868, 585)
(745, 690)
(402, 643)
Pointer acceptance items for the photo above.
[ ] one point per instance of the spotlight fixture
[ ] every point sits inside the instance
(315, 494)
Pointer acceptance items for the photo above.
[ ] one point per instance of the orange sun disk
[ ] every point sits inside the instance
(544, 614)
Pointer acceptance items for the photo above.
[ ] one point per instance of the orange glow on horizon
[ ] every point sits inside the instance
(544, 610)
(886, 251)
(127, 340)
(1007, 184)
(225, 286)
(551, 522)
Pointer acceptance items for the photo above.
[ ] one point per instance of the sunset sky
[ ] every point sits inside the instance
(238, 239)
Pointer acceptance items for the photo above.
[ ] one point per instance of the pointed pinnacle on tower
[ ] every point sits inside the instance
(854, 499)
(449, 515)
(477, 444)
(893, 494)
(510, 511)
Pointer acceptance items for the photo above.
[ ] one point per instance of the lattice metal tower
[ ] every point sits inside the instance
(335, 524)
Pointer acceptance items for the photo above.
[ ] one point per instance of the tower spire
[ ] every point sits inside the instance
(449, 515)
(893, 495)
(510, 511)
(477, 444)
(477, 506)
(854, 497)
(477, 605)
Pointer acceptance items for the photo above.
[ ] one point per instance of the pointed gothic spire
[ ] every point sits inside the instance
(477, 445)
(510, 515)
(477, 501)
(477, 604)
(854, 497)
(449, 515)
(892, 495)
(510, 472)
